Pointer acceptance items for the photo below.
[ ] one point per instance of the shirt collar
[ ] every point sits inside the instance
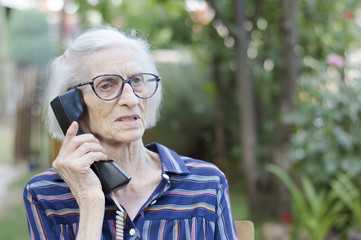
(171, 161)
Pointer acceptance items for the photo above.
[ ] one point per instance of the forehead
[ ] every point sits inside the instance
(124, 61)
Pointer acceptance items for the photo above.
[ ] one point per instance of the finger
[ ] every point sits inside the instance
(88, 137)
(87, 140)
(72, 141)
(88, 147)
(82, 156)
(92, 157)
(82, 165)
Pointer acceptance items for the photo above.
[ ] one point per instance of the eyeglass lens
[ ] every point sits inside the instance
(109, 86)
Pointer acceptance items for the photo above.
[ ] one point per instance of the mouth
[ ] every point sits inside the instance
(129, 118)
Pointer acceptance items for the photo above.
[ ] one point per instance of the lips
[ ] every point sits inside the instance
(128, 118)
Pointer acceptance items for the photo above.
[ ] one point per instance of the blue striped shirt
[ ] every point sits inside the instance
(191, 202)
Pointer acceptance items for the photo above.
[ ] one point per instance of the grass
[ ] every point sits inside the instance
(13, 224)
(239, 205)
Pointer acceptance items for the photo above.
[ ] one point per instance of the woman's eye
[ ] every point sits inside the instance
(137, 80)
(105, 85)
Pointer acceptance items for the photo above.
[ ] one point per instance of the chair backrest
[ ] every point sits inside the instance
(245, 230)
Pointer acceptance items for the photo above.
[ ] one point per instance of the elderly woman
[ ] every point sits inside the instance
(168, 197)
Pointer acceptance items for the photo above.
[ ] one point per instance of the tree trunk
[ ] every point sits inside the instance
(246, 107)
(288, 78)
(219, 128)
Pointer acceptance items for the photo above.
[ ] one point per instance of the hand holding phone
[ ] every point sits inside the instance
(69, 107)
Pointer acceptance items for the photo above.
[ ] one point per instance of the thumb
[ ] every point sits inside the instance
(72, 130)
(70, 133)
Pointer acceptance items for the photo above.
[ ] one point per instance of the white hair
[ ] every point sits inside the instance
(65, 70)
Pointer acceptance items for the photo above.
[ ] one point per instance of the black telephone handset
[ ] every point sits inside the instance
(69, 107)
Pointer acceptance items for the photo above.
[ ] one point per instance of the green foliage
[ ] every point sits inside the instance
(350, 195)
(327, 130)
(324, 28)
(164, 22)
(315, 211)
(29, 39)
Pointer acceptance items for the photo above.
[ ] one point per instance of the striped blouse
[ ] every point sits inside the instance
(191, 202)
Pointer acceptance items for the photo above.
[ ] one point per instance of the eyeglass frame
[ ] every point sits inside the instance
(124, 81)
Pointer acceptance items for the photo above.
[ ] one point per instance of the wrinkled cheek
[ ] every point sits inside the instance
(96, 117)
(143, 111)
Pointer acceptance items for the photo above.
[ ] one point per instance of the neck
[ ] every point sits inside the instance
(133, 157)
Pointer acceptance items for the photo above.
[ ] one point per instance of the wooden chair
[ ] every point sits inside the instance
(245, 230)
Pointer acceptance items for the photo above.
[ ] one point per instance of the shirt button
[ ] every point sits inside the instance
(165, 176)
(132, 232)
(153, 202)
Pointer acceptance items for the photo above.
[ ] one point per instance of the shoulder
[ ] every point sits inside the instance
(174, 163)
(203, 173)
(47, 181)
(201, 167)
(49, 175)
(183, 168)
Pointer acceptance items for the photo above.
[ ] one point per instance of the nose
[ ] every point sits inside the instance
(127, 97)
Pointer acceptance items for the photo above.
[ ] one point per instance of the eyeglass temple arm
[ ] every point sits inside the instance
(79, 85)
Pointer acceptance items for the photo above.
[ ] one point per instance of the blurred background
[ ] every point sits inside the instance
(269, 91)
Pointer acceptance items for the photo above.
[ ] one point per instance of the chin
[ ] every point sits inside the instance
(129, 136)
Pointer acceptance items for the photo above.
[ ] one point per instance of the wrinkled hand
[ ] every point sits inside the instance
(73, 163)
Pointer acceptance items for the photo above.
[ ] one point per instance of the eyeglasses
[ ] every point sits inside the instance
(109, 86)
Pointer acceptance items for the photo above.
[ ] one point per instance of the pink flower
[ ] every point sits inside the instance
(347, 15)
(335, 60)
